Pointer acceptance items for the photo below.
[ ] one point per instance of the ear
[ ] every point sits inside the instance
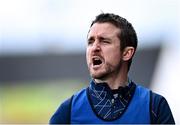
(128, 53)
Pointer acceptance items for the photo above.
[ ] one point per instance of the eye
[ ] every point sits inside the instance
(90, 41)
(105, 41)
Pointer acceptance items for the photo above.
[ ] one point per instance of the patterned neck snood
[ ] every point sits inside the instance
(109, 104)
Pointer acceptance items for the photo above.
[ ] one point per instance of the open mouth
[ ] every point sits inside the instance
(97, 61)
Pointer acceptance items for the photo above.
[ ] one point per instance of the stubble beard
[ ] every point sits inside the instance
(108, 71)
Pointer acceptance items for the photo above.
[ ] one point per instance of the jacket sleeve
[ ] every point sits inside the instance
(63, 113)
(161, 111)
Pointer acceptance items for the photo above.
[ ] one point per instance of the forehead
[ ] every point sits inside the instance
(103, 29)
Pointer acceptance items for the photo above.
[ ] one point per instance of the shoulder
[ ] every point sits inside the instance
(160, 110)
(79, 98)
(142, 92)
(62, 114)
(159, 107)
(80, 92)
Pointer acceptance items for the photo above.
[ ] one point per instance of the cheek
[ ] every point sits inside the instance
(87, 55)
(114, 56)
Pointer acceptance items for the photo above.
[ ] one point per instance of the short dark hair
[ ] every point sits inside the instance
(127, 35)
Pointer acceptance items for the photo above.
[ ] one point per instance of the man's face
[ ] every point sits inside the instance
(103, 53)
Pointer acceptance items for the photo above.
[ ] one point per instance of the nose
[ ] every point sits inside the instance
(96, 46)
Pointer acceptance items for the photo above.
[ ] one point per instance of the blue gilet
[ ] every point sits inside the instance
(137, 112)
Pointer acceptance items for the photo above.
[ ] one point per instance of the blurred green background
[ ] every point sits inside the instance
(35, 101)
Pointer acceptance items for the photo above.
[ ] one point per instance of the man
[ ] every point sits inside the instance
(111, 97)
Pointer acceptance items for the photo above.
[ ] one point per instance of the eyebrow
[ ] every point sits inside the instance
(101, 38)
(104, 38)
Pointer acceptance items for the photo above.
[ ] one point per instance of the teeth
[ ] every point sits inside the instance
(96, 58)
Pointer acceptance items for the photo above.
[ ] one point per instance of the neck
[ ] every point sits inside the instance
(114, 81)
(113, 84)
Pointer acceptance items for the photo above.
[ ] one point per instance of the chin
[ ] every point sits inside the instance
(97, 75)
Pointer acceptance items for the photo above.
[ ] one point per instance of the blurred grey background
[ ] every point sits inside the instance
(70, 66)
